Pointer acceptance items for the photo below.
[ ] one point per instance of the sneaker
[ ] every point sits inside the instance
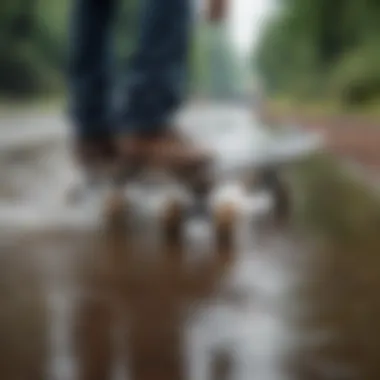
(133, 147)
(167, 149)
(94, 154)
(96, 159)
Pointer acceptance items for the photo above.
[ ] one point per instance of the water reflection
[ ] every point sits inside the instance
(113, 308)
(23, 316)
(114, 304)
(147, 298)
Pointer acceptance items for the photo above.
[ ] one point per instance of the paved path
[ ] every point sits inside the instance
(83, 301)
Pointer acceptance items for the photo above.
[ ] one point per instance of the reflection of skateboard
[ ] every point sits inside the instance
(253, 173)
(196, 181)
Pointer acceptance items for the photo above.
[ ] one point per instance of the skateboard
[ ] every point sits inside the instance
(254, 171)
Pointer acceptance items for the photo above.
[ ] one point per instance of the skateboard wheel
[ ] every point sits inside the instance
(250, 181)
(271, 181)
(172, 221)
(282, 202)
(225, 219)
(115, 207)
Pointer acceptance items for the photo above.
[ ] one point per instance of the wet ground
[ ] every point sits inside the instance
(85, 299)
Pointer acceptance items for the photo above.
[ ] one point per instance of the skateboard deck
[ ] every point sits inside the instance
(254, 170)
(242, 152)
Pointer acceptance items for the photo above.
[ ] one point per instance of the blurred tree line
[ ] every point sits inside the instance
(318, 49)
(217, 69)
(32, 44)
(34, 41)
(33, 47)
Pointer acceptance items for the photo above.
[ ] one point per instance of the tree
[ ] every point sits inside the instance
(216, 67)
(309, 47)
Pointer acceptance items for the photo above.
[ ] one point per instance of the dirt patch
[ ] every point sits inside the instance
(355, 138)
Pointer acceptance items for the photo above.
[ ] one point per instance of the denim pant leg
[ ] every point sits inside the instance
(89, 71)
(156, 79)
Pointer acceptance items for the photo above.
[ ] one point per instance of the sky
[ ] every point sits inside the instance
(246, 19)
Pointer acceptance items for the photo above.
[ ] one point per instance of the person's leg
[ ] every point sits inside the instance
(157, 82)
(158, 70)
(89, 72)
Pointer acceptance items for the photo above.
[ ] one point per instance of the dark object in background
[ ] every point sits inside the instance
(21, 26)
(217, 10)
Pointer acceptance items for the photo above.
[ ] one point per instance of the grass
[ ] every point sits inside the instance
(322, 108)
(338, 205)
(344, 288)
(40, 104)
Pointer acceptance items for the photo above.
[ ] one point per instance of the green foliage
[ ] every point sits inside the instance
(198, 63)
(216, 68)
(33, 43)
(31, 46)
(356, 78)
(24, 73)
(34, 38)
(127, 29)
(322, 48)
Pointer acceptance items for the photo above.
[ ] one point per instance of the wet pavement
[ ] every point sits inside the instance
(85, 299)
(91, 306)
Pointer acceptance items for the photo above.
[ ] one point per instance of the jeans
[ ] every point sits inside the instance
(155, 76)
